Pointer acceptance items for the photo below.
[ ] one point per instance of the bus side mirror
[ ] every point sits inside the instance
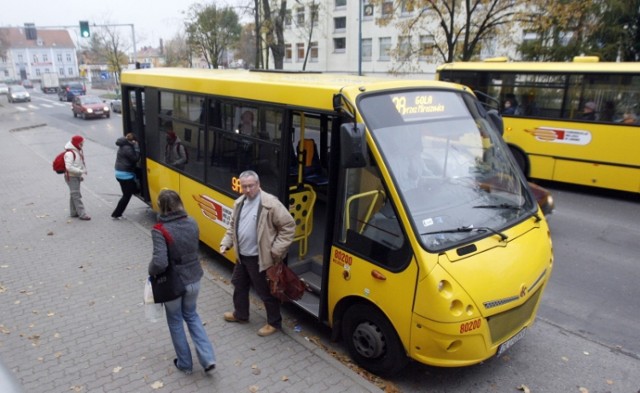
(352, 145)
(496, 119)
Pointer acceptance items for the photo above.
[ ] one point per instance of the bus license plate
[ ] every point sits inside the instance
(509, 343)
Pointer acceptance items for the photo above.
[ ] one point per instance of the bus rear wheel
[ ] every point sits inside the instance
(372, 341)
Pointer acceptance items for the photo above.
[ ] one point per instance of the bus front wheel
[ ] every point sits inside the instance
(372, 341)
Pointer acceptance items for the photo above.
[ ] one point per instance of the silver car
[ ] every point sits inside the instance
(18, 93)
(116, 105)
(4, 89)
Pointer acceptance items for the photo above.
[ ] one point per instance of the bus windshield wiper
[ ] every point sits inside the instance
(469, 229)
(499, 206)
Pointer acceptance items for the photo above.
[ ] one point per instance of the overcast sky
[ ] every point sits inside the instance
(152, 19)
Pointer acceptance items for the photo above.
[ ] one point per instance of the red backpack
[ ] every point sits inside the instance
(58, 163)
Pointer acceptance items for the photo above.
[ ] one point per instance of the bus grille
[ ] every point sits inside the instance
(506, 324)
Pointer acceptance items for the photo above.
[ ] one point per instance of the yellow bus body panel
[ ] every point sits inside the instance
(350, 276)
(592, 154)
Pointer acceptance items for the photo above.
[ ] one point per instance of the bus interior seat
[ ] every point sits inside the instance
(384, 228)
(301, 202)
(313, 172)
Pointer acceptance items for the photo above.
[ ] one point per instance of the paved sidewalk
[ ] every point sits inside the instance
(71, 318)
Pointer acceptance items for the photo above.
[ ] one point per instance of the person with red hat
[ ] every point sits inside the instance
(75, 172)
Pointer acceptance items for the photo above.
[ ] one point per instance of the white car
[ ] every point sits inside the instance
(4, 89)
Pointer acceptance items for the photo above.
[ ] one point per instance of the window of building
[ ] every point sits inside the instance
(427, 45)
(288, 18)
(288, 52)
(341, 3)
(20, 59)
(35, 58)
(340, 24)
(61, 71)
(70, 73)
(314, 51)
(339, 45)
(37, 71)
(387, 9)
(404, 47)
(367, 49)
(315, 14)
(406, 7)
(385, 48)
(367, 10)
(300, 51)
(45, 58)
(300, 16)
(59, 57)
(69, 57)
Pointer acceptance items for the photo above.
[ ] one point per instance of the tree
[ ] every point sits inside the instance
(458, 27)
(4, 44)
(247, 47)
(272, 29)
(307, 27)
(114, 50)
(561, 29)
(212, 31)
(176, 52)
(618, 35)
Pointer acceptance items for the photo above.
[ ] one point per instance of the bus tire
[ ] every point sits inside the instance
(521, 160)
(372, 341)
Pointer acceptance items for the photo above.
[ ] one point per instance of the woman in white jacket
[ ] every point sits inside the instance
(75, 170)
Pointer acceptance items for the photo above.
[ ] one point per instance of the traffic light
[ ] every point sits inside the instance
(84, 29)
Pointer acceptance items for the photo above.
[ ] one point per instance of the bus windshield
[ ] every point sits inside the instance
(450, 166)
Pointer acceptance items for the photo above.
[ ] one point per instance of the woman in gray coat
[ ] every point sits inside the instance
(175, 236)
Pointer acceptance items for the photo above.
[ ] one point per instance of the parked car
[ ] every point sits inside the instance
(4, 89)
(89, 106)
(69, 90)
(27, 84)
(18, 93)
(116, 105)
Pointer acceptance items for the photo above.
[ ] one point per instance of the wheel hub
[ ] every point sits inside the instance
(368, 340)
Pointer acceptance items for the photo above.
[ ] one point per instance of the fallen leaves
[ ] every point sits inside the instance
(76, 388)
(157, 385)
(524, 388)
(253, 388)
(117, 369)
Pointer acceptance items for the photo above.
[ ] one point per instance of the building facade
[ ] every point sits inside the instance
(342, 42)
(49, 51)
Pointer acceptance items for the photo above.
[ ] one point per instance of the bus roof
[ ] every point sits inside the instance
(544, 67)
(304, 89)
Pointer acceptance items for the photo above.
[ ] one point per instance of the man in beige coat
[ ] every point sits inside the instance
(261, 231)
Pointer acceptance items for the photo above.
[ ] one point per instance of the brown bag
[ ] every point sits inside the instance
(284, 283)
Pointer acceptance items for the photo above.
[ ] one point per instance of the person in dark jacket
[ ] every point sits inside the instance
(126, 162)
(176, 236)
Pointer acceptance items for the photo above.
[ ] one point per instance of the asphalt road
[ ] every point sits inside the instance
(587, 332)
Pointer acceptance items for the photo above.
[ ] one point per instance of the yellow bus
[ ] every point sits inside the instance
(417, 236)
(573, 122)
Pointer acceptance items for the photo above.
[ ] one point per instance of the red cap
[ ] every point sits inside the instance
(76, 141)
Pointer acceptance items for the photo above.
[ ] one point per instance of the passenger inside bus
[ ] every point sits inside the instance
(588, 111)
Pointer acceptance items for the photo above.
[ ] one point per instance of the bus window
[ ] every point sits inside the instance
(181, 134)
(237, 144)
(370, 225)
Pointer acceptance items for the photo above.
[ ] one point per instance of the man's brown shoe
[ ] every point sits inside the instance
(230, 317)
(266, 330)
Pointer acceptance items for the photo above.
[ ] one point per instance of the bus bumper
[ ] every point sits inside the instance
(470, 341)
